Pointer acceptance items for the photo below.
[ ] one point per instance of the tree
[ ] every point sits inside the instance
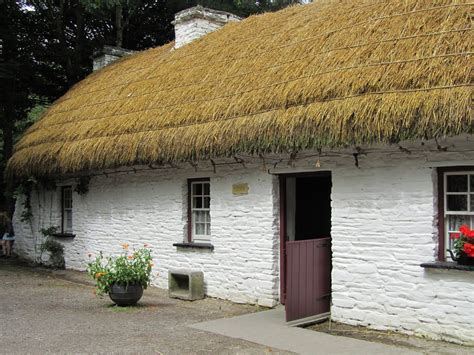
(16, 80)
(122, 10)
(46, 46)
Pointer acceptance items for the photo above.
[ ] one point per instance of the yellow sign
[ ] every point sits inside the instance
(240, 189)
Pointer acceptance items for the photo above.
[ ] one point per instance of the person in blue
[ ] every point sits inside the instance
(7, 234)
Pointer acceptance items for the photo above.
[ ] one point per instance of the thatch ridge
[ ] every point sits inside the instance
(316, 74)
(334, 73)
(313, 37)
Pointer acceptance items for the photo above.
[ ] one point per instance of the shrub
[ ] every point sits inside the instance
(53, 247)
(129, 268)
(56, 252)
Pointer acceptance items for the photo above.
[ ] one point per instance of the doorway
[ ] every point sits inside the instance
(305, 239)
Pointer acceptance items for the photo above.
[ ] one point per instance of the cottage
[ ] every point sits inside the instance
(318, 157)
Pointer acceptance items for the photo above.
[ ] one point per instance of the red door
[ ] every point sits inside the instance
(308, 287)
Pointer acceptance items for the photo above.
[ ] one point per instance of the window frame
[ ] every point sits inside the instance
(443, 172)
(63, 209)
(191, 238)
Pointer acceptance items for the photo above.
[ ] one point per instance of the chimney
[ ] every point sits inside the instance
(107, 55)
(195, 22)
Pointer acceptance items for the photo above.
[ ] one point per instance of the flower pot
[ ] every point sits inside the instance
(126, 295)
(465, 260)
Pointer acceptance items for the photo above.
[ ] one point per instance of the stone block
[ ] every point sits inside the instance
(186, 285)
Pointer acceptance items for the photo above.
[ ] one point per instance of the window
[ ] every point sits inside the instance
(456, 204)
(66, 212)
(199, 212)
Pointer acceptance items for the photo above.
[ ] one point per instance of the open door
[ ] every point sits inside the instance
(305, 232)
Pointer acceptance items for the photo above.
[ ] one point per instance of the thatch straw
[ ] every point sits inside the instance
(332, 73)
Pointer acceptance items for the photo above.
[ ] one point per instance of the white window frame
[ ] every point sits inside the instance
(447, 231)
(207, 225)
(65, 211)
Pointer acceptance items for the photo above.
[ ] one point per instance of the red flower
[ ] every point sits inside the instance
(454, 235)
(469, 249)
(465, 230)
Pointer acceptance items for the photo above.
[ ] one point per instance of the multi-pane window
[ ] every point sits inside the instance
(66, 213)
(200, 203)
(458, 203)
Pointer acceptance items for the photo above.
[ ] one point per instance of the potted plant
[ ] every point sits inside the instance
(463, 246)
(123, 277)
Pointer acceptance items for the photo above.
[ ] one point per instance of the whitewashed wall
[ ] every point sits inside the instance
(151, 207)
(383, 227)
(198, 21)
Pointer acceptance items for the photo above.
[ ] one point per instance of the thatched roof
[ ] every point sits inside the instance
(329, 74)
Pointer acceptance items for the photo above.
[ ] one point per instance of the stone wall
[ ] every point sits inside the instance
(384, 219)
(195, 22)
(151, 207)
(383, 227)
(107, 55)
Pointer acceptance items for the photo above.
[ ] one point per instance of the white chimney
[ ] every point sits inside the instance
(107, 55)
(195, 22)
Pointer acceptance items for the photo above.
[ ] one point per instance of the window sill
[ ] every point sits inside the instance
(447, 265)
(208, 246)
(63, 235)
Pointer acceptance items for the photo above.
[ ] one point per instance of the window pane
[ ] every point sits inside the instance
(456, 221)
(201, 216)
(67, 198)
(457, 183)
(200, 229)
(457, 202)
(197, 202)
(472, 202)
(471, 178)
(197, 189)
(199, 206)
(68, 221)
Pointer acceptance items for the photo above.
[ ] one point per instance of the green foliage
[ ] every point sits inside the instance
(47, 46)
(32, 116)
(94, 5)
(25, 188)
(49, 232)
(53, 247)
(128, 268)
(82, 186)
(463, 242)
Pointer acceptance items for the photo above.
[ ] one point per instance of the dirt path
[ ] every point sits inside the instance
(413, 343)
(57, 312)
(44, 311)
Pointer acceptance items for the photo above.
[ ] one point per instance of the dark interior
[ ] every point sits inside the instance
(313, 207)
(182, 281)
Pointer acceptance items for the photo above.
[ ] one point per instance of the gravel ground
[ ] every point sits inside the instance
(43, 311)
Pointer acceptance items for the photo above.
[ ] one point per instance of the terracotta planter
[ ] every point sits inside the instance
(126, 295)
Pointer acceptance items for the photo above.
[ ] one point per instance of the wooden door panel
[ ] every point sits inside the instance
(308, 281)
